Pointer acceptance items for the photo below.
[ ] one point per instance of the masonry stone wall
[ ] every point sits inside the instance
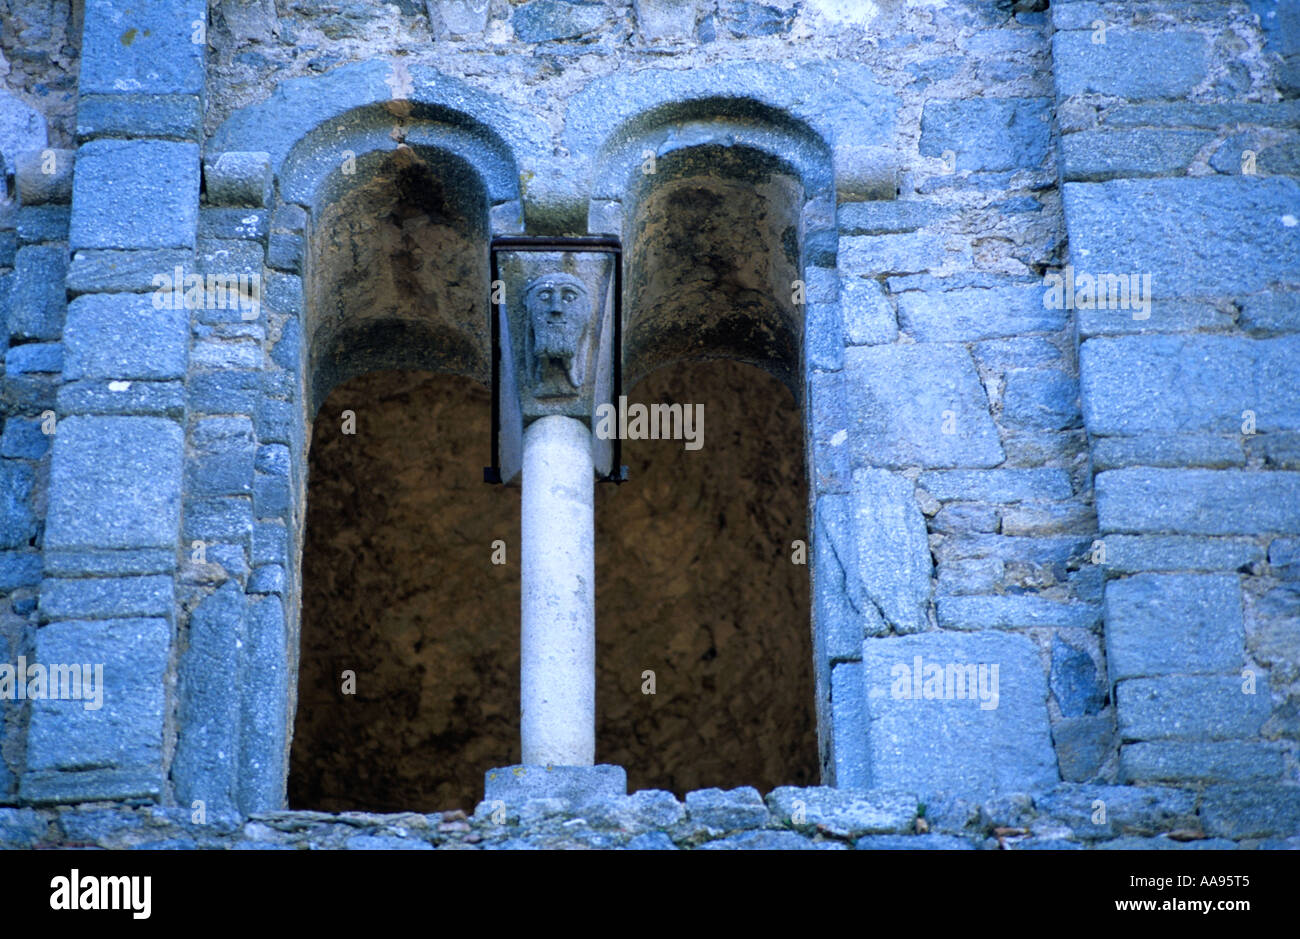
(1103, 502)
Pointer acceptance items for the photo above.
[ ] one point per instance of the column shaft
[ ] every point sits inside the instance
(558, 649)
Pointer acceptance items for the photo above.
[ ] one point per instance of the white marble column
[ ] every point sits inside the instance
(558, 651)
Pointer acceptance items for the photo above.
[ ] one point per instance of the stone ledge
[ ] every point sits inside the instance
(1064, 817)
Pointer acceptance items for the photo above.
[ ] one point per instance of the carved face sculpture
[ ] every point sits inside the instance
(559, 316)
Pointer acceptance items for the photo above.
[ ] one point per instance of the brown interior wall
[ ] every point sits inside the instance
(694, 581)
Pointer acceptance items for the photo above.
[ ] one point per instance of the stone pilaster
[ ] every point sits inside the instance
(113, 534)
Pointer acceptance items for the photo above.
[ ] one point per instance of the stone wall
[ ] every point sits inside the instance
(1069, 817)
(1104, 503)
(1186, 173)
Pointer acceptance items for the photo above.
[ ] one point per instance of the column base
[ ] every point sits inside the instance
(515, 785)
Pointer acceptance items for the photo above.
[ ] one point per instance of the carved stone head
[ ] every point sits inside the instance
(559, 312)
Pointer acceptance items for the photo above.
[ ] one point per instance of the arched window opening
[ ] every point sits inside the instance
(696, 583)
(408, 641)
(402, 592)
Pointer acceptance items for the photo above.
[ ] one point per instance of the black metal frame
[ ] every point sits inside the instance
(592, 244)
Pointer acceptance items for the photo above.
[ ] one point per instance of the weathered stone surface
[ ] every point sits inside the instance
(893, 553)
(1025, 352)
(825, 344)
(1242, 242)
(1250, 812)
(1003, 485)
(1074, 680)
(541, 20)
(38, 300)
(660, 20)
(44, 176)
(906, 253)
(1065, 817)
(913, 843)
(284, 252)
(726, 810)
(959, 576)
(1185, 114)
(744, 18)
(765, 841)
(178, 116)
(220, 519)
(226, 355)
(126, 731)
(988, 133)
(1111, 317)
(1160, 624)
(1197, 502)
(1094, 155)
(1275, 643)
(849, 746)
(515, 785)
(34, 358)
(1184, 762)
(903, 397)
(112, 271)
(206, 762)
(225, 391)
(1014, 612)
(1251, 153)
(135, 194)
(114, 483)
(883, 218)
(22, 127)
(862, 172)
(1040, 399)
(1166, 843)
(232, 223)
(1180, 384)
(270, 543)
(842, 812)
(110, 563)
(1270, 312)
(1085, 67)
(17, 521)
(839, 605)
(22, 828)
(457, 18)
(382, 843)
(976, 313)
(148, 47)
(1190, 707)
(1095, 813)
(655, 808)
(1277, 451)
(1048, 519)
(1202, 450)
(1281, 25)
(125, 336)
(47, 787)
(103, 396)
(37, 223)
(264, 707)
(269, 578)
(100, 598)
(867, 314)
(1082, 745)
(991, 738)
(236, 178)
(19, 569)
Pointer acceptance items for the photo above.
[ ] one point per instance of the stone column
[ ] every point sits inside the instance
(558, 648)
